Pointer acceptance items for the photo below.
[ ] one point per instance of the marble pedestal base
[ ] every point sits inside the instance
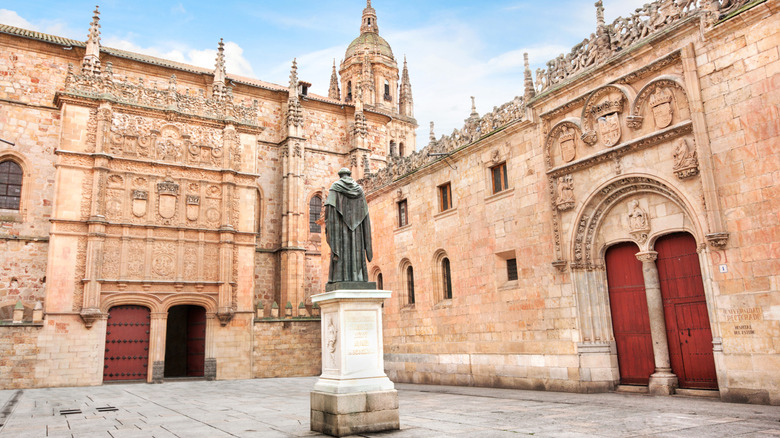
(353, 394)
(350, 414)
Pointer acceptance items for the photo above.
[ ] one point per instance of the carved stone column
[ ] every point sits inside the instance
(662, 381)
(157, 332)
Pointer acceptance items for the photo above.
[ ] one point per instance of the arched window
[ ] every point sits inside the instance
(380, 283)
(401, 149)
(409, 284)
(388, 97)
(349, 91)
(446, 278)
(392, 148)
(10, 185)
(315, 207)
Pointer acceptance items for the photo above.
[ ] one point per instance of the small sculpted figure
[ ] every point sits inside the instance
(348, 230)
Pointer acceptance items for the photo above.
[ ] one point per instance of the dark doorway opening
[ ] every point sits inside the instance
(185, 342)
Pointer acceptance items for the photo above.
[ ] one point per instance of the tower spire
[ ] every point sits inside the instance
(218, 87)
(369, 23)
(91, 62)
(405, 101)
(333, 91)
(530, 92)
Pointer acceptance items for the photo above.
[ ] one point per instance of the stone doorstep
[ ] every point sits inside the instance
(632, 389)
(707, 393)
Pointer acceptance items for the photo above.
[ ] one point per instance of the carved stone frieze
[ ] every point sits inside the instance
(718, 240)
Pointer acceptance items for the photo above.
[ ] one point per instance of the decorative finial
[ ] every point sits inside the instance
(432, 136)
(530, 91)
(294, 76)
(333, 91)
(219, 71)
(600, 13)
(91, 61)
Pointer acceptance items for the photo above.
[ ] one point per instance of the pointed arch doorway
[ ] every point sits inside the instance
(185, 342)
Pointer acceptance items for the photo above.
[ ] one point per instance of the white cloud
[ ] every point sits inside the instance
(11, 18)
(235, 62)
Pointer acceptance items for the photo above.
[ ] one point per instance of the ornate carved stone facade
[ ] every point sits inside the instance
(627, 141)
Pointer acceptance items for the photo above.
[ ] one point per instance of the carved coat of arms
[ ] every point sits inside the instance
(193, 207)
(567, 144)
(661, 103)
(140, 199)
(609, 129)
(168, 194)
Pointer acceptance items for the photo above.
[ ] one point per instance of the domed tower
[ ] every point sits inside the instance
(370, 71)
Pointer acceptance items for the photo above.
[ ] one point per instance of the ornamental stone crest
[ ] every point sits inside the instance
(567, 144)
(607, 114)
(167, 192)
(140, 199)
(661, 104)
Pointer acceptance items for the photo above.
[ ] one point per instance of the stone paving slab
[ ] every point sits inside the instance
(280, 408)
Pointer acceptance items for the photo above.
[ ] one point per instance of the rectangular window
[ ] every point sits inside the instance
(403, 216)
(445, 197)
(500, 181)
(511, 269)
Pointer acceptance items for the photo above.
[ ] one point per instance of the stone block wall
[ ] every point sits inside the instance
(286, 348)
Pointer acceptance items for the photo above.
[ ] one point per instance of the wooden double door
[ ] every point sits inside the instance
(685, 313)
(185, 342)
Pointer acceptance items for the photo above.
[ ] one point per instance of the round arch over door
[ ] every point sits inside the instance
(685, 311)
(630, 318)
(127, 343)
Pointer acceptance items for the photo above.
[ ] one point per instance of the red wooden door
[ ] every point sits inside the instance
(196, 341)
(685, 311)
(630, 319)
(127, 343)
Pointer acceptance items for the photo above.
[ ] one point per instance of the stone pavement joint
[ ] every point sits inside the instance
(280, 408)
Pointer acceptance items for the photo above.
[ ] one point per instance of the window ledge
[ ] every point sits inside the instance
(443, 304)
(402, 229)
(7, 215)
(512, 284)
(500, 195)
(446, 213)
(408, 308)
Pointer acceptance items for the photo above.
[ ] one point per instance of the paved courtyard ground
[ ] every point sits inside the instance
(280, 408)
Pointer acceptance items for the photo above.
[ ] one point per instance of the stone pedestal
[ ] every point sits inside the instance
(353, 394)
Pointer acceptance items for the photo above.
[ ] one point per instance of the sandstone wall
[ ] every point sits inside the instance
(286, 349)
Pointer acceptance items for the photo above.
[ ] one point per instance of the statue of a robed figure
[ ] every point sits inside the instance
(348, 232)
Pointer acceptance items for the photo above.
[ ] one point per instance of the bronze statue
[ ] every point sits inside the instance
(348, 232)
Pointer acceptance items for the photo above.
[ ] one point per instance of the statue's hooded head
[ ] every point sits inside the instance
(344, 171)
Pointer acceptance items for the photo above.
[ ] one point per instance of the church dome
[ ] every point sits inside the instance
(371, 42)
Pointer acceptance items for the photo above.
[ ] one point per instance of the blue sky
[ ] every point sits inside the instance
(455, 48)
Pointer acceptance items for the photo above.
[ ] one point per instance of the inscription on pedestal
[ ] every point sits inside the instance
(361, 342)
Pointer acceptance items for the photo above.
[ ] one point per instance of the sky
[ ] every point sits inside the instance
(455, 48)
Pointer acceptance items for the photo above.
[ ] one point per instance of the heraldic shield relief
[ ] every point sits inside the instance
(168, 191)
(567, 144)
(661, 102)
(609, 129)
(140, 198)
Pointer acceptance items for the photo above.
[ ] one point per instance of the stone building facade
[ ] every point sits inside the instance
(162, 220)
(614, 227)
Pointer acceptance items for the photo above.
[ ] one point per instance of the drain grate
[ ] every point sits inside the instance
(107, 409)
(69, 411)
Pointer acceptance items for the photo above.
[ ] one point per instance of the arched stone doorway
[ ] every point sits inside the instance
(127, 343)
(185, 342)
